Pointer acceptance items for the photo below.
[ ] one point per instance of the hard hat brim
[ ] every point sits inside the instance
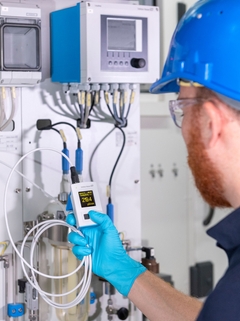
(165, 85)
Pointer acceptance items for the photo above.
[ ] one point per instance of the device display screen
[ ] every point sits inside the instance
(121, 34)
(87, 198)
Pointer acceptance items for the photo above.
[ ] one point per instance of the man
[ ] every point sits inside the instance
(203, 66)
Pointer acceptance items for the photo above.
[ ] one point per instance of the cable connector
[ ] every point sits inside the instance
(132, 97)
(44, 124)
(65, 163)
(74, 175)
(3, 93)
(84, 87)
(105, 87)
(74, 88)
(95, 87)
(79, 134)
(133, 86)
(124, 86)
(13, 92)
(83, 98)
(64, 139)
(65, 88)
(89, 100)
(106, 97)
(96, 98)
(79, 161)
(113, 87)
(108, 191)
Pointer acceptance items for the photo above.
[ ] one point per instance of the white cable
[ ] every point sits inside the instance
(12, 111)
(2, 116)
(42, 227)
(31, 182)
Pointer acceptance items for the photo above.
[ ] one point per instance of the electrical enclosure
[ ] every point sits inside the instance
(105, 43)
(20, 40)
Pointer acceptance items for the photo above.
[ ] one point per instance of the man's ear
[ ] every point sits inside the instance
(212, 122)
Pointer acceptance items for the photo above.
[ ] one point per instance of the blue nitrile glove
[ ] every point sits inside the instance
(110, 260)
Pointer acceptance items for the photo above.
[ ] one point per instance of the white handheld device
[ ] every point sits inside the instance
(85, 197)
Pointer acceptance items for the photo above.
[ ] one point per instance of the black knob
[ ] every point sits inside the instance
(122, 314)
(138, 63)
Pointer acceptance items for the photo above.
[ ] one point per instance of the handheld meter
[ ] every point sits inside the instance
(85, 197)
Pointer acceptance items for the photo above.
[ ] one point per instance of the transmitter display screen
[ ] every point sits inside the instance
(121, 34)
(86, 198)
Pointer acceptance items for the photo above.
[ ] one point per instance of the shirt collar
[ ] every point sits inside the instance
(227, 231)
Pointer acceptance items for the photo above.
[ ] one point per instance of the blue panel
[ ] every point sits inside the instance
(15, 310)
(65, 45)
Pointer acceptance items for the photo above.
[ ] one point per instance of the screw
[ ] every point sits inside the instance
(136, 181)
(20, 310)
(89, 79)
(160, 171)
(18, 190)
(28, 189)
(152, 171)
(175, 170)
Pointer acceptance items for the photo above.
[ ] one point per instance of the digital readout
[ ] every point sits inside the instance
(87, 198)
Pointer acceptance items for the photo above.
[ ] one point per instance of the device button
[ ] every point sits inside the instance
(126, 63)
(110, 63)
(115, 63)
(120, 63)
(86, 216)
(138, 63)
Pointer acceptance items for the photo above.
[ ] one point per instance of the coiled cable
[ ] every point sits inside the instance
(41, 228)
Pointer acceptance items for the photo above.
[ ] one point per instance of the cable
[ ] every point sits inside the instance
(35, 185)
(57, 131)
(5, 246)
(2, 97)
(64, 123)
(94, 151)
(210, 216)
(118, 158)
(115, 165)
(41, 228)
(12, 111)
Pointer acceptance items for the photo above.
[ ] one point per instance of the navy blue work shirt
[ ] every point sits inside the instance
(223, 304)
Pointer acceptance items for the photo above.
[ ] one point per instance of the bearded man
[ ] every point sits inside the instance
(203, 67)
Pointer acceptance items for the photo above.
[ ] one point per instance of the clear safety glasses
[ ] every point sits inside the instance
(176, 108)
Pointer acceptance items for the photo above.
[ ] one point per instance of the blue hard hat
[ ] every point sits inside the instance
(205, 48)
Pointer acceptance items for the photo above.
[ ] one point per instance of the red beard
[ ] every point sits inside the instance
(207, 177)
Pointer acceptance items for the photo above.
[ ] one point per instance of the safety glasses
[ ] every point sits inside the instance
(176, 108)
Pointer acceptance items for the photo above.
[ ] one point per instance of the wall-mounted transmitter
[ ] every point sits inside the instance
(85, 197)
(105, 43)
(20, 41)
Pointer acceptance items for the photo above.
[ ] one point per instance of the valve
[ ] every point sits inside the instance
(122, 313)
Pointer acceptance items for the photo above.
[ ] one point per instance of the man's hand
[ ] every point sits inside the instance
(110, 260)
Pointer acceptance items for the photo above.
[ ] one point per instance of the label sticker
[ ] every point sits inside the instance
(8, 143)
